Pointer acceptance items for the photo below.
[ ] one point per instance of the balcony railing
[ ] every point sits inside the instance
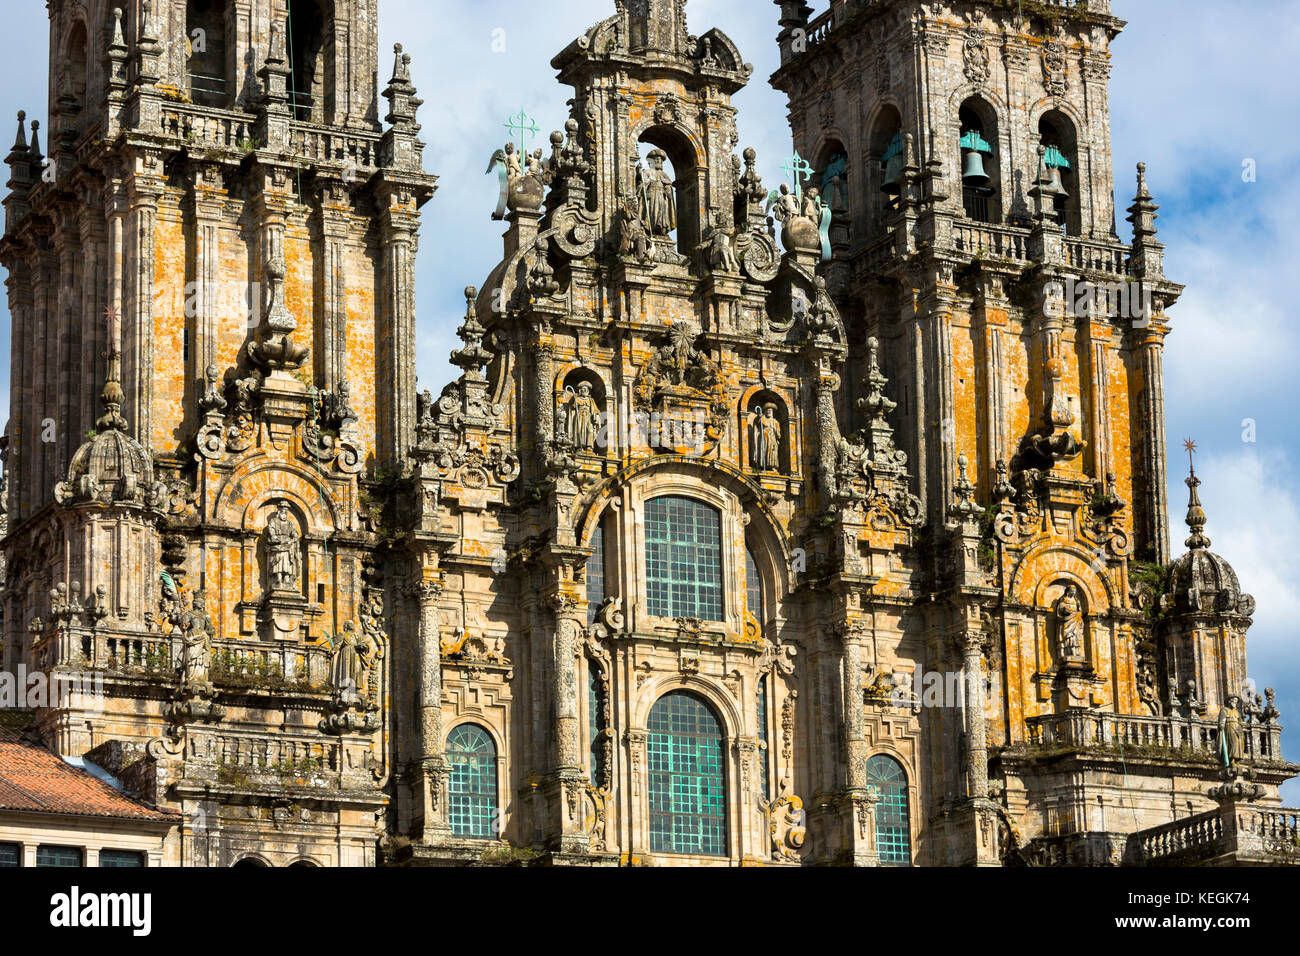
(1087, 728)
(1235, 831)
(235, 664)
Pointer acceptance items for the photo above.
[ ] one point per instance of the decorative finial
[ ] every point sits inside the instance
(1195, 513)
(20, 142)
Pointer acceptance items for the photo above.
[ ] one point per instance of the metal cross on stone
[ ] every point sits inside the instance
(525, 126)
(798, 169)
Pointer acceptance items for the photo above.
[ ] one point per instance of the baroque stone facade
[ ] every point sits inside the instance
(732, 479)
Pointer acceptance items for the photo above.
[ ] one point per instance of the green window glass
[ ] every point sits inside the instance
(120, 858)
(753, 587)
(683, 558)
(687, 790)
(596, 574)
(58, 856)
(11, 855)
(472, 803)
(893, 826)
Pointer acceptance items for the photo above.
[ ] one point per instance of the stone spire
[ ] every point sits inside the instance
(1195, 513)
(112, 395)
(1148, 253)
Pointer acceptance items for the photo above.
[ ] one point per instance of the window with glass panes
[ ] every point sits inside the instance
(595, 723)
(764, 757)
(596, 574)
(472, 801)
(893, 826)
(121, 858)
(686, 784)
(753, 587)
(683, 558)
(11, 855)
(58, 856)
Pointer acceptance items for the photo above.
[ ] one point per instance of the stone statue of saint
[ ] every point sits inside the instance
(719, 248)
(632, 239)
(583, 412)
(1232, 732)
(353, 654)
(1069, 624)
(197, 632)
(283, 558)
(658, 196)
(767, 440)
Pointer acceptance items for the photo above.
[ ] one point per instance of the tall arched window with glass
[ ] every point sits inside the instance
(893, 824)
(683, 542)
(688, 797)
(472, 802)
(596, 724)
(596, 574)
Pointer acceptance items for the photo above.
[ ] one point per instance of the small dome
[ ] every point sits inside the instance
(1203, 581)
(111, 466)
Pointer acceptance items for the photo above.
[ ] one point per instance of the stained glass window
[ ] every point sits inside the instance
(893, 827)
(58, 856)
(683, 559)
(120, 858)
(11, 855)
(472, 804)
(596, 574)
(687, 790)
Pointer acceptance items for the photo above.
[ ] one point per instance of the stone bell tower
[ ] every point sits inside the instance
(965, 150)
(211, 275)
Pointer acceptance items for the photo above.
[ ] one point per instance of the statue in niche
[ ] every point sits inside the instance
(1069, 625)
(766, 442)
(352, 656)
(1232, 732)
(658, 195)
(582, 415)
(282, 552)
(197, 632)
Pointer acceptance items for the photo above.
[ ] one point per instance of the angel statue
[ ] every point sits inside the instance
(781, 204)
(506, 163)
(820, 214)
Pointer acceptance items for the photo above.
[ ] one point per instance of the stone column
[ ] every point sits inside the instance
(431, 785)
(331, 339)
(144, 188)
(971, 644)
(395, 341)
(208, 199)
(1156, 489)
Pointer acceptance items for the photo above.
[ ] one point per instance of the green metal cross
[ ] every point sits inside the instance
(525, 126)
(798, 169)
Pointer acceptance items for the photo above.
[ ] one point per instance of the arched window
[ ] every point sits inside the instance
(893, 827)
(1058, 177)
(753, 587)
(205, 45)
(596, 574)
(472, 757)
(688, 796)
(979, 165)
(683, 543)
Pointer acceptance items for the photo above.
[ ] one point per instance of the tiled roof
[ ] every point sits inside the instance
(35, 780)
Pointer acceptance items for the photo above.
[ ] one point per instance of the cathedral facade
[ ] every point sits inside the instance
(803, 523)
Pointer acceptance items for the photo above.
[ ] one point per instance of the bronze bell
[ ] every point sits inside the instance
(973, 175)
(893, 184)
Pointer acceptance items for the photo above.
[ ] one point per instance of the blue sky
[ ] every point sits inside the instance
(1198, 87)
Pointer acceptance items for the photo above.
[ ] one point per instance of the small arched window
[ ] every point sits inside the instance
(979, 166)
(472, 806)
(306, 46)
(596, 574)
(1057, 179)
(688, 800)
(683, 558)
(753, 587)
(893, 826)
